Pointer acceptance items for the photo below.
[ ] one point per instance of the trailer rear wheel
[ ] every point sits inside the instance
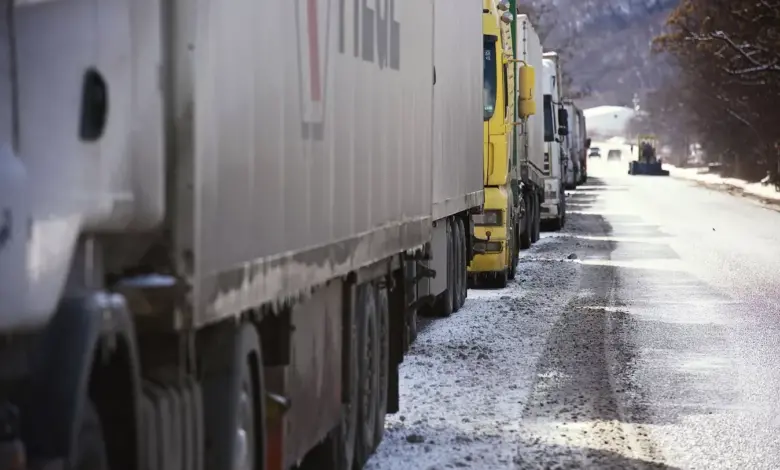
(368, 366)
(536, 207)
(337, 451)
(90, 452)
(383, 321)
(458, 259)
(516, 254)
(502, 279)
(464, 274)
(412, 324)
(528, 224)
(452, 265)
(510, 247)
(444, 305)
(233, 387)
(246, 448)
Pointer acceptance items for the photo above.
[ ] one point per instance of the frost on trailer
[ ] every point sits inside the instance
(337, 174)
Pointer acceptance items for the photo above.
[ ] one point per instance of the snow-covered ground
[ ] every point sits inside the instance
(755, 190)
(521, 377)
(468, 378)
(764, 193)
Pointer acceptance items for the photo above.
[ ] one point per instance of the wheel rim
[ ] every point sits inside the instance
(244, 457)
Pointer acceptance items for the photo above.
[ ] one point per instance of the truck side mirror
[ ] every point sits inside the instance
(563, 122)
(587, 143)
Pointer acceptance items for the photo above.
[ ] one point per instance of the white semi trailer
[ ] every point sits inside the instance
(555, 155)
(213, 215)
(457, 148)
(530, 137)
(574, 147)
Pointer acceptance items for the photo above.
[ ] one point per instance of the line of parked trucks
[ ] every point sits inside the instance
(219, 220)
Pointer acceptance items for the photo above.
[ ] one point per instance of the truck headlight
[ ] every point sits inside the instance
(488, 218)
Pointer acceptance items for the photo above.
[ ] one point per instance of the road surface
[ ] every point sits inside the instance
(646, 334)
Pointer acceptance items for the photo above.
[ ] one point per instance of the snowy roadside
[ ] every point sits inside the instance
(758, 191)
(470, 379)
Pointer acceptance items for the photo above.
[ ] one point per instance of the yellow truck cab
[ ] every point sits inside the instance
(494, 228)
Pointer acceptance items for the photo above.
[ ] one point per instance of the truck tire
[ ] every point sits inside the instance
(383, 322)
(502, 279)
(453, 267)
(234, 389)
(464, 263)
(337, 451)
(90, 452)
(510, 246)
(368, 367)
(456, 261)
(537, 224)
(444, 307)
(525, 235)
(555, 225)
(250, 455)
(412, 324)
(461, 266)
(516, 258)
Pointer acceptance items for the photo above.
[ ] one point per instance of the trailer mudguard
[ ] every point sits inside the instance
(62, 368)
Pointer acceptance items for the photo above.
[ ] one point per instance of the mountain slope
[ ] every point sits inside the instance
(606, 45)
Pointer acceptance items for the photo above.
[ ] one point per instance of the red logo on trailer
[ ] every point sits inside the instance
(312, 18)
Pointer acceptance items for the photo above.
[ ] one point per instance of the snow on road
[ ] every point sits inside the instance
(467, 379)
(757, 191)
(521, 377)
(741, 187)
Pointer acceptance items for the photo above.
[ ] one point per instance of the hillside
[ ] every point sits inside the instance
(606, 44)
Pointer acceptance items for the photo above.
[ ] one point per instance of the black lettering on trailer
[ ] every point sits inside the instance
(376, 33)
(368, 26)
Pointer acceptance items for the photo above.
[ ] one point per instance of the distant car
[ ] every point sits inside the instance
(594, 152)
(614, 154)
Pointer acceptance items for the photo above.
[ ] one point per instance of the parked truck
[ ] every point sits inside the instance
(583, 130)
(555, 155)
(498, 228)
(577, 145)
(458, 192)
(529, 135)
(211, 247)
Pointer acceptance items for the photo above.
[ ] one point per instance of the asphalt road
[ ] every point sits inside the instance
(646, 334)
(698, 282)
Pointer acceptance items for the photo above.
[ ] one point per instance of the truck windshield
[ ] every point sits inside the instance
(490, 86)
